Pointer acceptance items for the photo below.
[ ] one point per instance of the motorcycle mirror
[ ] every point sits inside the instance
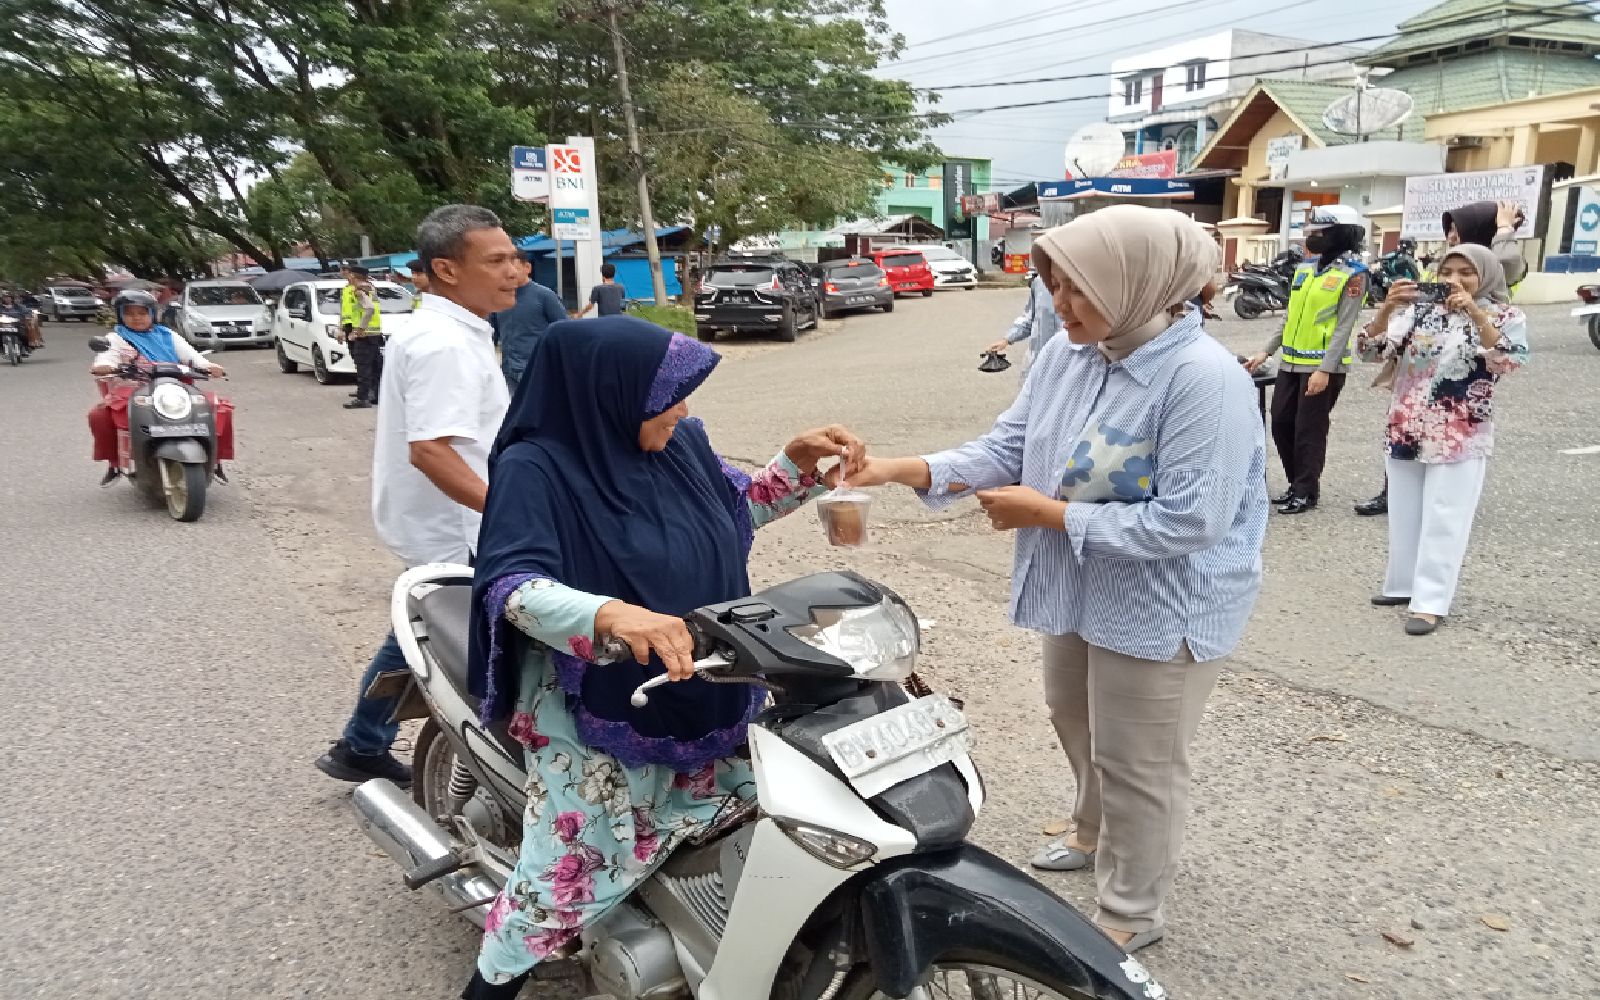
(99, 344)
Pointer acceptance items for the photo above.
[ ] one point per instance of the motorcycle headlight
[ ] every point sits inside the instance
(172, 401)
(879, 641)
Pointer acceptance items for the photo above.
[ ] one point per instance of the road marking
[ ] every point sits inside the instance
(1593, 449)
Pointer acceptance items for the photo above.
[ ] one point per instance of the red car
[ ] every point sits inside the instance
(907, 270)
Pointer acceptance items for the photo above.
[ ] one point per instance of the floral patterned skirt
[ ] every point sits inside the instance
(593, 829)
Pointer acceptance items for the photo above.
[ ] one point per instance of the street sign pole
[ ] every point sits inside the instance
(561, 276)
(589, 252)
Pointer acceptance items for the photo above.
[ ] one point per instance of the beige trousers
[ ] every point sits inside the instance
(1126, 725)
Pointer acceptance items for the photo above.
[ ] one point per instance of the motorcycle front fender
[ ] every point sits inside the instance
(186, 450)
(968, 902)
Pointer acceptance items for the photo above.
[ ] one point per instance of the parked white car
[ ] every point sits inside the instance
(221, 313)
(59, 303)
(950, 269)
(306, 325)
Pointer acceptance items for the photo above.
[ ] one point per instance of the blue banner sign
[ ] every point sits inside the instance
(1115, 187)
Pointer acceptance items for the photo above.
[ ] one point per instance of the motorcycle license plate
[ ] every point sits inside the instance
(179, 430)
(878, 753)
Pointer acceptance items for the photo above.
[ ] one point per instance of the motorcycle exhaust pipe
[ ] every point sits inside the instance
(417, 844)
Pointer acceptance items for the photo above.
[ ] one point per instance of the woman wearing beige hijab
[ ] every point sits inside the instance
(1135, 477)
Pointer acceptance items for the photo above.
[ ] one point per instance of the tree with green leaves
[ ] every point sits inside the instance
(257, 125)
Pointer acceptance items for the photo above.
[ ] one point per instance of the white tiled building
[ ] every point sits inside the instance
(1174, 97)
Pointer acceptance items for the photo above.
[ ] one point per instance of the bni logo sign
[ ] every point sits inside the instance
(567, 160)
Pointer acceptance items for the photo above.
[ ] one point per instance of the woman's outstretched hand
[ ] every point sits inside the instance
(644, 630)
(833, 441)
(911, 472)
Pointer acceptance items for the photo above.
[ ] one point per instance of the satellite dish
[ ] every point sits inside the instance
(1095, 150)
(1368, 111)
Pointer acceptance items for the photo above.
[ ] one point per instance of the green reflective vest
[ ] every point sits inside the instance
(1314, 312)
(350, 311)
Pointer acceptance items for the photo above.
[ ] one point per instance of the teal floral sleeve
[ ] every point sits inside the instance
(556, 615)
(776, 491)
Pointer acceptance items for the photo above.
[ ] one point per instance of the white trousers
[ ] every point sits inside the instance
(1431, 508)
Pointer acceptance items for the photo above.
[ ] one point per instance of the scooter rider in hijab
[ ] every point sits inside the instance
(1325, 298)
(1488, 224)
(9, 306)
(138, 337)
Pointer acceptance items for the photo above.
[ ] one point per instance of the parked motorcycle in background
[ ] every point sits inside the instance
(169, 447)
(847, 876)
(1261, 288)
(1391, 267)
(1589, 312)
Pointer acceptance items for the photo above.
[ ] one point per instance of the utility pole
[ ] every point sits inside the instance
(594, 10)
(658, 282)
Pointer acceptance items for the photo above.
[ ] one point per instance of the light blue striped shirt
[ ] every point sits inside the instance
(1162, 459)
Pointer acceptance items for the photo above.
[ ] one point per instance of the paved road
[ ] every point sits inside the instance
(166, 686)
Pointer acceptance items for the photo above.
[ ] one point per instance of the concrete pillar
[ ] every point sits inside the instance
(1247, 201)
(1588, 146)
(1524, 145)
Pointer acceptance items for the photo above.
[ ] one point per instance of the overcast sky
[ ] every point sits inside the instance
(1062, 37)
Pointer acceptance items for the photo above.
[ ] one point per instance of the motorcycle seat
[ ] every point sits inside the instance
(447, 612)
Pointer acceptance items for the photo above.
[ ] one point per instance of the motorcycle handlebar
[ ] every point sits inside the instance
(703, 668)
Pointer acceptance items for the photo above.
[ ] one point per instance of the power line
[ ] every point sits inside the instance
(1293, 50)
(1041, 35)
(1154, 69)
(1066, 8)
(961, 114)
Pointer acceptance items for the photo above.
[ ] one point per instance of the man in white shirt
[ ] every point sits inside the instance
(442, 401)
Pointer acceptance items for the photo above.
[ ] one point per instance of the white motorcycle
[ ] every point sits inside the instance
(847, 877)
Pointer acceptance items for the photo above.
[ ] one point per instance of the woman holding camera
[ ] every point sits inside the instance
(1450, 346)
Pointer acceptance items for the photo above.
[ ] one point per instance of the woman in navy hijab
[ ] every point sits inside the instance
(609, 516)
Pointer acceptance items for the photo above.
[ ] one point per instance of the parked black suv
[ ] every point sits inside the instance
(755, 293)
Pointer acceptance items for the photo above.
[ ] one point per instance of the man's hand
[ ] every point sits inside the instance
(998, 347)
(807, 449)
(645, 631)
(1012, 507)
(215, 371)
(1253, 362)
(1317, 384)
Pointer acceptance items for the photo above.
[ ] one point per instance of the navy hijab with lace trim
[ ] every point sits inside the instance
(574, 499)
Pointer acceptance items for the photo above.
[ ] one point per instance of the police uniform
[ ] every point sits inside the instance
(364, 338)
(1324, 306)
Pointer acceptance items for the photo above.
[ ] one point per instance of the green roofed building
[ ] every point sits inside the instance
(1471, 53)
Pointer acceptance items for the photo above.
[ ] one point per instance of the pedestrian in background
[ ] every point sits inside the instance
(517, 329)
(361, 330)
(1142, 562)
(443, 400)
(419, 282)
(1449, 357)
(1485, 224)
(1325, 299)
(608, 296)
(1037, 324)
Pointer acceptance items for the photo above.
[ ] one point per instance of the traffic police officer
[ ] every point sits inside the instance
(1325, 299)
